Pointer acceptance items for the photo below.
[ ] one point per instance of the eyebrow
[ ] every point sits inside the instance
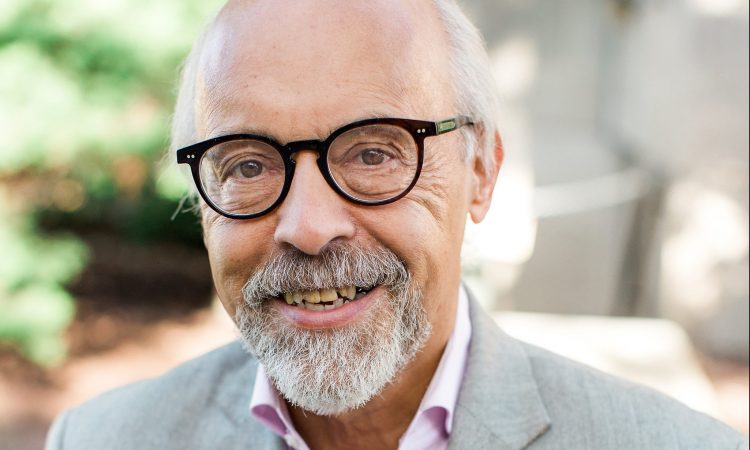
(258, 132)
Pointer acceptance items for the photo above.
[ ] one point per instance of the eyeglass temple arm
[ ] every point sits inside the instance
(446, 126)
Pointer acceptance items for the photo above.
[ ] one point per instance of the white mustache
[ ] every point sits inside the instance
(337, 266)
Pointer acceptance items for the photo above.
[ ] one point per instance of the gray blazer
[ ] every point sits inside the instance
(514, 396)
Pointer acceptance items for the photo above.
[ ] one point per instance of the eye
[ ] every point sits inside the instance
(249, 169)
(373, 157)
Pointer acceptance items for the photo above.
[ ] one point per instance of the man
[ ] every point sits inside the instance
(338, 147)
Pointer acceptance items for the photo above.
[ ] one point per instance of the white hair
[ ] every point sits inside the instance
(473, 84)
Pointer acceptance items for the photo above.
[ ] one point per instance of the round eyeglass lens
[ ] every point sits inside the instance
(242, 176)
(374, 162)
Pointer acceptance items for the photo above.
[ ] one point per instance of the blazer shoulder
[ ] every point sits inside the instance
(593, 409)
(148, 413)
(198, 378)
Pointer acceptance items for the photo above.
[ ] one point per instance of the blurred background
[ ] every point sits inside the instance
(618, 234)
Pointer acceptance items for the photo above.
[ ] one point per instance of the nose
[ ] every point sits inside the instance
(312, 214)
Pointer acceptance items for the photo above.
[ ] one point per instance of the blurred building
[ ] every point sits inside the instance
(626, 188)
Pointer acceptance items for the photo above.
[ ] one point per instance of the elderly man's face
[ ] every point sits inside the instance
(297, 71)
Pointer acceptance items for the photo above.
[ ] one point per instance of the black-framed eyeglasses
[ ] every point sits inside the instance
(368, 162)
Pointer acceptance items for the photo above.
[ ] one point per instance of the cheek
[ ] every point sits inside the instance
(440, 199)
(432, 256)
(433, 234)
(425, 228)
(234, 248)
(442, 186)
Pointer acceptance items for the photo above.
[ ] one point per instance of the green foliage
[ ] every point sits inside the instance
(35, 308)
(86, 92)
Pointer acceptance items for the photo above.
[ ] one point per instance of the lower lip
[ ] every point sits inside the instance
(333, 318)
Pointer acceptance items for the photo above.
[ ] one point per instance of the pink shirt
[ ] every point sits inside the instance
(431, 426)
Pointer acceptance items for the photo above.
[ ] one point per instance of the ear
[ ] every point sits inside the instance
(484, 181)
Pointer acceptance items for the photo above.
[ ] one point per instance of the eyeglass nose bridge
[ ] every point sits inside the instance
(293, 148)
(319, 147)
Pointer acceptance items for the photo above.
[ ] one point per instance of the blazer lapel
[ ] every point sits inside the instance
(499, 405)
(232, 400)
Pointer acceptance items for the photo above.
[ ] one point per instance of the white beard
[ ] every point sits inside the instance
(328, 372)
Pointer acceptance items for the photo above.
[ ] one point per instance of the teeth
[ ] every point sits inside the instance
(312, 299)
(311, 296)
(348, 292)
(328, 295)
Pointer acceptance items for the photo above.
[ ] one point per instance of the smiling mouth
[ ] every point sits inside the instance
(326, 299)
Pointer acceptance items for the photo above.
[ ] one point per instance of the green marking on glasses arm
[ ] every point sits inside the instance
(445, 126)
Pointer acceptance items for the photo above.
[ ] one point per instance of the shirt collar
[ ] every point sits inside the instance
(267, 406)
(446, 382)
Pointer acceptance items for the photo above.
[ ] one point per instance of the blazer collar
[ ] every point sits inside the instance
(499, 405)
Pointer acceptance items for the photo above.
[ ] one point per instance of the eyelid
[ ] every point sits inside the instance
(228, 167)
(386, 132)
(225, 161)
(354, 154)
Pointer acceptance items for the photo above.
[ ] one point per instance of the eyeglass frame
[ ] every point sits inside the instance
(418, 129)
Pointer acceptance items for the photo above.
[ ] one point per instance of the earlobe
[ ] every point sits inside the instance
(485, 178)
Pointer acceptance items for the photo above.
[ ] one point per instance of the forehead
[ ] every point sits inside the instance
(311, 65)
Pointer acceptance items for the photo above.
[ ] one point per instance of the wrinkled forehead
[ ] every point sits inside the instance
(317, 55)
